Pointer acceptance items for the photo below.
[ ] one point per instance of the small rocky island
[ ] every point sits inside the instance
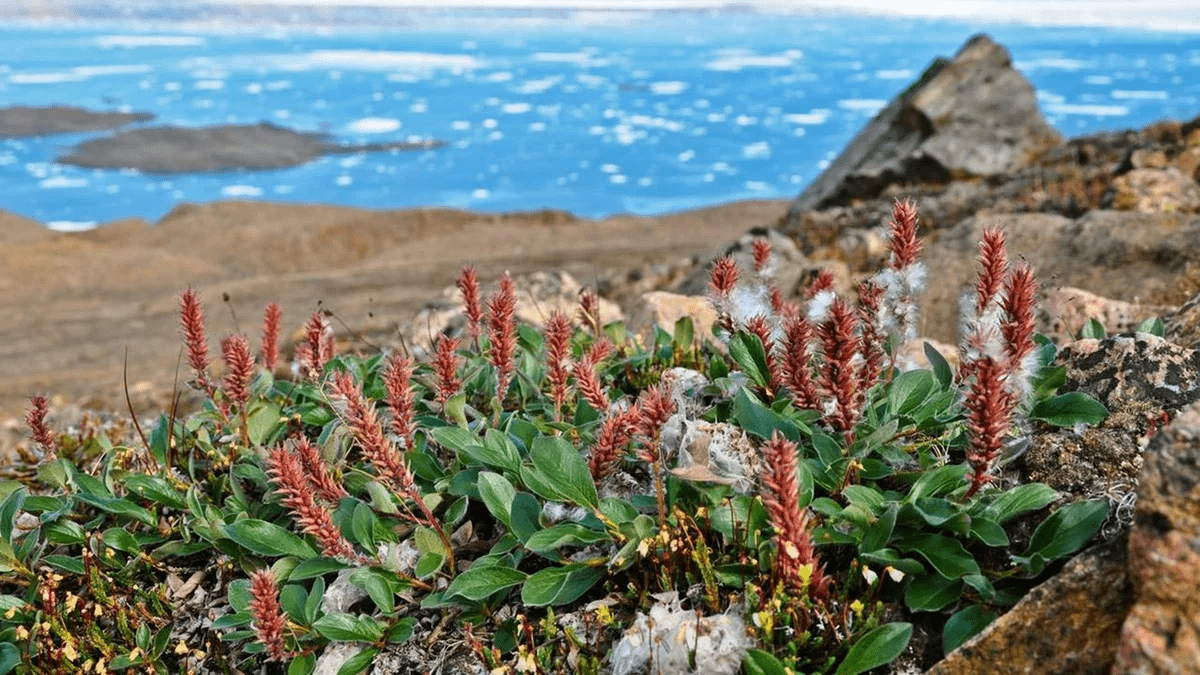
(171, 149)
(21, 121)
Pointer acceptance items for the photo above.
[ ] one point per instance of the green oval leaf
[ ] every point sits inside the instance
(932, 592)
(964, 625)
(909, 390)
(758, 662)
(1069, 409)
(267, 539)
(946, 554)
(1018, 500)
(479, 582)
(562, 465)
(497, 495)
(120, 507)
(563, 534)
(1068, 529)
(747, 350)
(349, 627)
(879, 646)
(559, 585)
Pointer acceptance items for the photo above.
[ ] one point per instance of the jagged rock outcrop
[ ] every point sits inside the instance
(220, 148)
(973, 115)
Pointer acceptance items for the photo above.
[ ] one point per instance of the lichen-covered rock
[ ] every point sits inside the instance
(1165, 190)
(1182, 326)
(1133, 368)
(1162, 631)
(1068, 624)
(1139, 378)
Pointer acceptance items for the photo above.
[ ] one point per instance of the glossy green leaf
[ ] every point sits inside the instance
(349, 627)
(562, 464)
(909, 390)
(497, 451)
(120, 507)
(946, 554)
(479, 582)
(559, 585)
(359, 662)
(121, 540)
(454, 438)
(563, 534)
(497, 495)
(932, 592)
(267, 539)
(685, 332)
(1069, 409)
(756, 418)
(156, 489)
(1153, 326)
(965, 624)
(1068, 529)
(302, 664)
(939, 481)
(758, 662)
(747, 351)
(878, 647)
(1094, 330)
(941, 369)
(315, 567)
(262, 422)
(1020, 499)
(526, 510)
(378, 586)
(988, 532)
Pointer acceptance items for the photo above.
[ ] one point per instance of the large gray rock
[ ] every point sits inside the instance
(21, 121)
(971, 116)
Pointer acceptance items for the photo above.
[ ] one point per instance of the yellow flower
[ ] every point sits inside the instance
(181, 648)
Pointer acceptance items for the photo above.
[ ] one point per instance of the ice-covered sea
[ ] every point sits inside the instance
(646, 114)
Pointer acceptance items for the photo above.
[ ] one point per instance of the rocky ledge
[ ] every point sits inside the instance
(21, 121)
(170, 149)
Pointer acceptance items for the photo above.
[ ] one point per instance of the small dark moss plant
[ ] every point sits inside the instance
(521, 475)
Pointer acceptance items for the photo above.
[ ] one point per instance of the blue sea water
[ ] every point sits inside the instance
(655, 113)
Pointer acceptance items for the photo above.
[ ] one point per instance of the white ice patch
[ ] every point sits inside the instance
(374, 125)
(1053, 62)
(669, 88)
(241, 191)
(540, 86)
(867, 105)
(132, 41)
(759, 150)
(584, 59)
(733, 60)
(58, 182)
(1094, 110)
(814, 116)
(370, 59)
(1139, 95)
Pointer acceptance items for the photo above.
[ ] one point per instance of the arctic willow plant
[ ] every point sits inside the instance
(524, 473)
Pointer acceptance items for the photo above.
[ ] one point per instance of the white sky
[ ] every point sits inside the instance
(1155, 14)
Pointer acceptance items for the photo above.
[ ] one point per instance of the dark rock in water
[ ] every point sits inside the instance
(21, 121)
(973, 116)
(219, 148)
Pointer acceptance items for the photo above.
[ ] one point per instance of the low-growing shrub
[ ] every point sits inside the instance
(523, 473)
